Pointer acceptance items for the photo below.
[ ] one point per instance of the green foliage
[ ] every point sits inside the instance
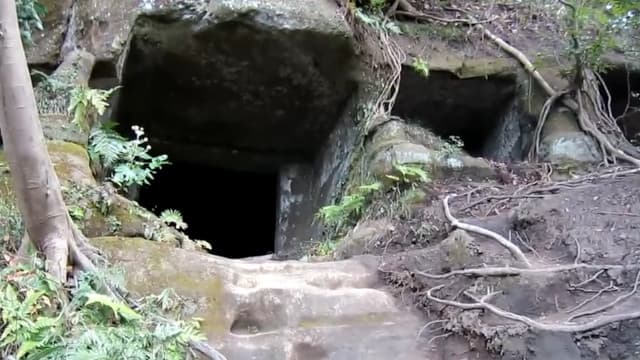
(420, 66)
(11, 225)
(173, 217)
(599, 26)
(323, 248)
(126, 162)
(36, 324)
(409, 174)
(350, 207)
(30, 14)
(87, 103)
(378, 22)
(76, 212)
(377, 5)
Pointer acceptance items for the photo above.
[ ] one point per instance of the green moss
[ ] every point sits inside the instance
(472, 68)
(435, 31)
(64, 147)
(153, 270)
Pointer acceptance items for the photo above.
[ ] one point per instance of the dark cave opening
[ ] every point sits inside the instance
(470, 108)
(235, 211)
(624, 88)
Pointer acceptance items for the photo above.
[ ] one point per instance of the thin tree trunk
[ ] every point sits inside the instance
(35, 183)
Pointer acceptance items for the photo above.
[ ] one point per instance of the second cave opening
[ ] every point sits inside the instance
(235, 211)
(471, 109)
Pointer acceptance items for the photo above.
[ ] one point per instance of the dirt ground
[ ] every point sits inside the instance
(585, 222)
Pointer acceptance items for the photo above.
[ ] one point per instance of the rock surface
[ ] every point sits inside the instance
(47, 44)
(563, 141)
(254, 84)
(399, 143)
(263, 309)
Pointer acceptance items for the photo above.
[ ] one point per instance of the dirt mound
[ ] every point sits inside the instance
(561, 285)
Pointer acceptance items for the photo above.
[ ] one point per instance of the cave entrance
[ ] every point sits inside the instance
(624, 87)
(477, 110)
(235, 211)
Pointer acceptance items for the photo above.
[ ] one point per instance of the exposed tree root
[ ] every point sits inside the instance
(511, 271)
(513, 249)
(516, 253)
(611, 304)
(482, 303)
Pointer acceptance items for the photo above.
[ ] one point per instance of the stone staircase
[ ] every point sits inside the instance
(278, 310)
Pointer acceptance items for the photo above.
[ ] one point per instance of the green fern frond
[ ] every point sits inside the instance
(106, 145)
(171, 216)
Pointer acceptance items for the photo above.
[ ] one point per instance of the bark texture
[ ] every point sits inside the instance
(35, 183)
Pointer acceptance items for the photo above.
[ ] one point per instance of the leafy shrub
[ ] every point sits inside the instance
(125, 162)
(36, 324)
(350, 207)
(87, 104)
(409, 174)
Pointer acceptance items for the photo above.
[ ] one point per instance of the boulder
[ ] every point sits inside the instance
(262, 309)
(95, 208)
(563, 141)
(398, 143)
(357, 241)
(250, 81)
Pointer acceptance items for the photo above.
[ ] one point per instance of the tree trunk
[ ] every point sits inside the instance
(35, 183)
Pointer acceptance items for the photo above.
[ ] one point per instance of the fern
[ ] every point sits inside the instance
(94, 326)
(127, 162)
(171, 216)
(351, 206)
(87, 103)
(106, 146)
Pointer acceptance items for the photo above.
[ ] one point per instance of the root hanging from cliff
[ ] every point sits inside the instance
(385, 56)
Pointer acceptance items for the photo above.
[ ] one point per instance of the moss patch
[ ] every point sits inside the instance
(151, 267)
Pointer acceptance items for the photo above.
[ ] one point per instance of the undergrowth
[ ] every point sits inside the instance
(30, 14)
(37, 324)
(402, 187)
(11, 225)
(125, 163)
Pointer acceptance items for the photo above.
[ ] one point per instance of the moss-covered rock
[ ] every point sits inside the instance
(261, 309)
(96, 208)
(151, 267)
(398, 143)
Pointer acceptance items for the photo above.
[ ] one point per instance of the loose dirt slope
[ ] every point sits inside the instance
(581, 241)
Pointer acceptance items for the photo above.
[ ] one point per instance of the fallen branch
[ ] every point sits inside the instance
(481, 304)
(513, 249)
